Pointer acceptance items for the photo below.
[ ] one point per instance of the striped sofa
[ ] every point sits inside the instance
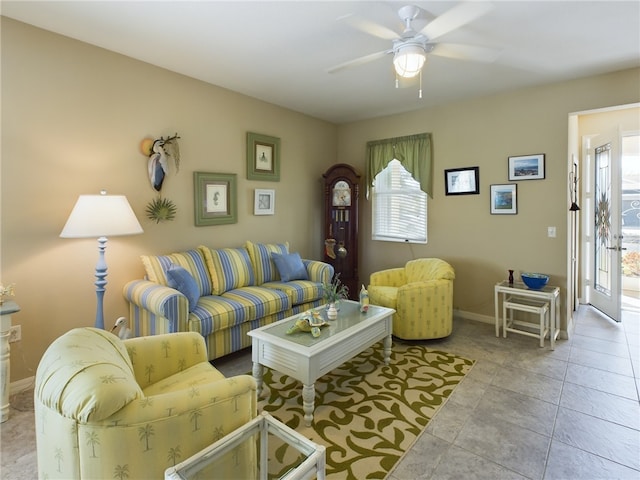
(223, 293)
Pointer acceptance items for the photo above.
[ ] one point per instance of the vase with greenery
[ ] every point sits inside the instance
(332, 293)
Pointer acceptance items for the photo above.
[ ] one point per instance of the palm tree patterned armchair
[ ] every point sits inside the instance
(421, 293)
(107, 408)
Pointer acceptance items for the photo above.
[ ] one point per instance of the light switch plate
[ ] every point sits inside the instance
(551, 232)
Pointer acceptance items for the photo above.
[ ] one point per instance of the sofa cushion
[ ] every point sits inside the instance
(156, 267)
(219, 312)
(201, 373)
(299, 291)
(180, 279)
(229, 268)
(263, 265)
(290, 266)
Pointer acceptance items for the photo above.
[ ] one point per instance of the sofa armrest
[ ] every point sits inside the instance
(318, 271)
(168, 354)
(392, 277)
(150, 302)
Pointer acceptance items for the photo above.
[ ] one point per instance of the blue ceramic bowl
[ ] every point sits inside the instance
(535, 281)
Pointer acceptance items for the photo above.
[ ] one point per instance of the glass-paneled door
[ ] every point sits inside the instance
(607, 244)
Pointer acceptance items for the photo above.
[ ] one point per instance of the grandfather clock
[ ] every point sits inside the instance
(341, 192)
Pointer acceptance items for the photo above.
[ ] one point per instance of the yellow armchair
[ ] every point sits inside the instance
(421, 293)
(107, 408)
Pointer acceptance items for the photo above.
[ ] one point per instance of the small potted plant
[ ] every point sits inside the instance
(332, 293)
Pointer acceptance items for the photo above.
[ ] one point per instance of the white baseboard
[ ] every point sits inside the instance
(477, 317)
(491, 320)
(21, 385)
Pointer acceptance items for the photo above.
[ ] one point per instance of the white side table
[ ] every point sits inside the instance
(547, 293)
(6, 309)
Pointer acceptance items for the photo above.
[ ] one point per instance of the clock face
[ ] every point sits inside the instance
(341, 194)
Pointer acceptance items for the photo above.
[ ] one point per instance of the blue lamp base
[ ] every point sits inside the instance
(101, 282)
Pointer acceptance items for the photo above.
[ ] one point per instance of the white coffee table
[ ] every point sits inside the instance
(305, 358)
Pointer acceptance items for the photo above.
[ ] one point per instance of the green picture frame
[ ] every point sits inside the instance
(216, 198)
(263, 157)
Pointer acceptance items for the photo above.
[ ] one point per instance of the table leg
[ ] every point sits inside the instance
(497, 315)
(257, 375)
(308, 402)
(387, 350)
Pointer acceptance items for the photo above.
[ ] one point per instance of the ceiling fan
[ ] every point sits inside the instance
(410, 48)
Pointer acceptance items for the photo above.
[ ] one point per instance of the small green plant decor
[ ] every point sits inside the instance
(161, 210)
(335, 291)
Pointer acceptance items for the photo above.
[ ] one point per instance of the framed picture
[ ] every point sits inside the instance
(462, 181)
(263, 157)
(526, 167)
(215, 198)
(504, 199)
(264, 202)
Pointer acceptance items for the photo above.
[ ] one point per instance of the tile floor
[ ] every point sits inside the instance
(524, 412)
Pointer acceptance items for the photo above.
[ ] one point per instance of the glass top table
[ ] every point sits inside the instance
(306, 358)
(247, 453)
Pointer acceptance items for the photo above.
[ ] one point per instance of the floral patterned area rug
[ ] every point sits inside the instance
(367, 414)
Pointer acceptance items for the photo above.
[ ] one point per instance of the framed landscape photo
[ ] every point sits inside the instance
(504, 199)
(215, 198)
(264, 202)
(526, 167)
(462, 181)
(263, 157)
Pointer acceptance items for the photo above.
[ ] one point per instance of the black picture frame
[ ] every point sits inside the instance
(462, 181)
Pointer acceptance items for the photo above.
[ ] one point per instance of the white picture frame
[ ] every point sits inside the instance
(264, 202)
(504, 199)
(526, 167)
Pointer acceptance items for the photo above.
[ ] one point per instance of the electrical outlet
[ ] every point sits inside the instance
(15, 334)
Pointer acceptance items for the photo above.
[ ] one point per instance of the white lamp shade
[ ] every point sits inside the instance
(96, 216)
(409, 60)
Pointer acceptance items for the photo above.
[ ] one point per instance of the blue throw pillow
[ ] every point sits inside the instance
(180, 279)
(290, 266)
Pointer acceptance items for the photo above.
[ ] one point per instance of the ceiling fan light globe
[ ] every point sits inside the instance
(409, 61)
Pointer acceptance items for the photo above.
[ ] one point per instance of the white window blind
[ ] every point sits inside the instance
(399, 206)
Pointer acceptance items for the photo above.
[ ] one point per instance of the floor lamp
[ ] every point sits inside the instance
(101, 216)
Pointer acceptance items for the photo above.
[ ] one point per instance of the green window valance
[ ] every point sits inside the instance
(414, 152)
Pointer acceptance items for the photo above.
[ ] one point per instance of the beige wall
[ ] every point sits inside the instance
(484, 132)
(73, 116)
(72, 119)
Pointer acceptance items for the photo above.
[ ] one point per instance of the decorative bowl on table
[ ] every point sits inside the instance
(535, 281)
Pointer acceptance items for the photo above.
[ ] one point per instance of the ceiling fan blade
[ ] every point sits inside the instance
(359, 61)
(466, 52)
(456, 17)
(367, 26)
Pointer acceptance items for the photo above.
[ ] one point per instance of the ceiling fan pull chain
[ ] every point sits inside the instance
(420, 90)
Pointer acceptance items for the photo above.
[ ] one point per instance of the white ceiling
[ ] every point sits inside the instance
(280, 52)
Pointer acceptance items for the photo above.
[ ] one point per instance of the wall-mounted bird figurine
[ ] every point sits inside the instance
(159, 151)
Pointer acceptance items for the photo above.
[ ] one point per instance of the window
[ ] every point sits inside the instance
(399, 206)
